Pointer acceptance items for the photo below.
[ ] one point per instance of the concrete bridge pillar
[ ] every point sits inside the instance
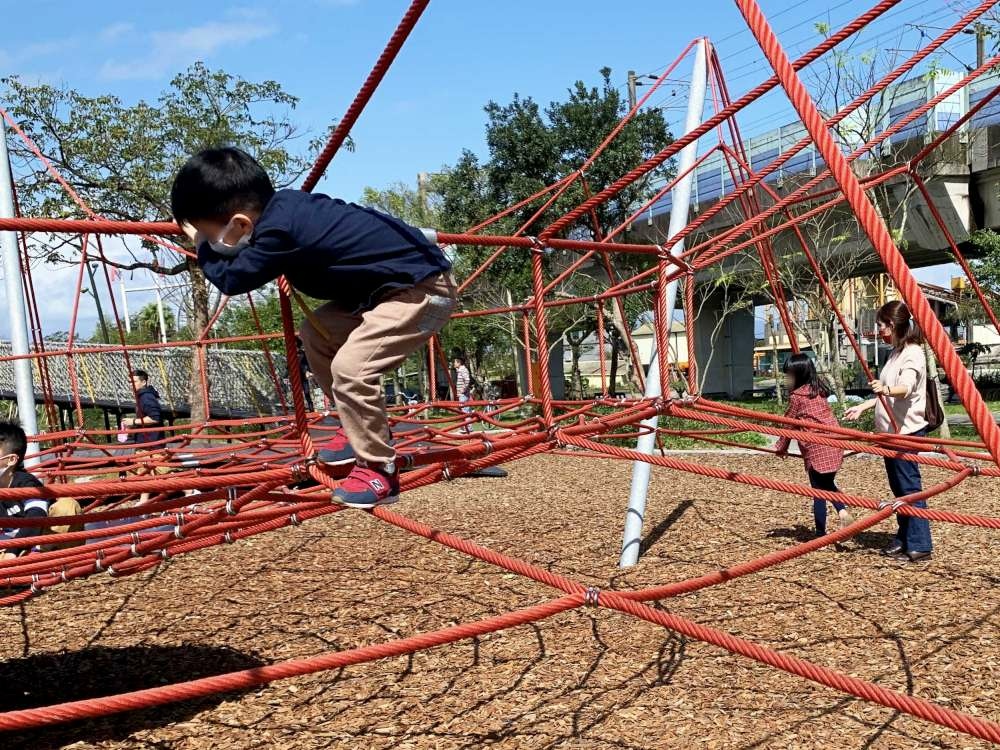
(725, 362)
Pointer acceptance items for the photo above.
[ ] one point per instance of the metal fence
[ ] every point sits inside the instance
(240, 381)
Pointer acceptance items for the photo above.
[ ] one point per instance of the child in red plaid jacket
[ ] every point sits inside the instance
(807, 401)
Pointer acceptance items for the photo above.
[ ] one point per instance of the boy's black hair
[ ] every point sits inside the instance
(217, 183)
(803, 372)
(13, 440)
(459, 355)
(141, 374)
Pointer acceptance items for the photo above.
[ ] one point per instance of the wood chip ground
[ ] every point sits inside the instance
(583, 679)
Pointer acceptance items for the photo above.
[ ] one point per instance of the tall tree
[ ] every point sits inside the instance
(121, 159)
(530, 147)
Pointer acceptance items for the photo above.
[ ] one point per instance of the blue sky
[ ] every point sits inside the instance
(461, 55)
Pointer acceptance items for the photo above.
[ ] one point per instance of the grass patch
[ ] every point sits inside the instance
(958, 408)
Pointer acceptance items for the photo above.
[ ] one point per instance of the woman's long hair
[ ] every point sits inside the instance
(904, 328)
(803, 372)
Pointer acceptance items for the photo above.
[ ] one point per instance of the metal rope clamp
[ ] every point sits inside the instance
(976, 469)
(231, 493)
(592, 596)
(300, 472)
(178, 530)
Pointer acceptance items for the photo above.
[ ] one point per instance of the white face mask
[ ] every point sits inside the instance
(223, 248)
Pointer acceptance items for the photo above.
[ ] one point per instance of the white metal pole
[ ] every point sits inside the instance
(680, 201)
(24, 387)
(159, 312)
(124, 293)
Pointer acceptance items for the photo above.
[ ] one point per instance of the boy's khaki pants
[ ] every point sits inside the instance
(352, 350)
(64, 506)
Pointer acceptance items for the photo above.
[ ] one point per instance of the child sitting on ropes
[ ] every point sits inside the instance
(13, 446)
(388, 286)
(807, 401)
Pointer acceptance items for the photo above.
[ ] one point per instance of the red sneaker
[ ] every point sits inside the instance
(366, 488)
(335, 450)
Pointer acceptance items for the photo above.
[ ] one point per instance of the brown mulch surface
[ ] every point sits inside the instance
(583, 679)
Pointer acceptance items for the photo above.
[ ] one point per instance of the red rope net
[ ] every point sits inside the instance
(205, 485)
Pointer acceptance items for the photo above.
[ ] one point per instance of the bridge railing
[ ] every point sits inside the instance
(240, 381)
(713, 179)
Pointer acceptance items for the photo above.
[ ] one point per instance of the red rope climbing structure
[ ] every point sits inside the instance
(223, 480)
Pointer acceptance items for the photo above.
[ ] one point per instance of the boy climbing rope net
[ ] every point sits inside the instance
(389, 288)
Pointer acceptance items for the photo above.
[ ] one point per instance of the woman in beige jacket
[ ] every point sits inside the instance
(903, 384)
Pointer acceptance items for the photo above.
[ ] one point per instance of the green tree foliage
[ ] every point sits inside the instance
(530, 147)
(987, 267)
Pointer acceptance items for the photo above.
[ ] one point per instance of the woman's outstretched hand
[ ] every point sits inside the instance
(854, 413)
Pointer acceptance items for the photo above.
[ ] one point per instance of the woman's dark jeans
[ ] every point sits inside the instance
(904, 479)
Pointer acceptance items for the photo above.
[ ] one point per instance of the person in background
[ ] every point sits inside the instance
(807, 401)
(148, 412)
(902, 383)
(463, 383)
(13, 447)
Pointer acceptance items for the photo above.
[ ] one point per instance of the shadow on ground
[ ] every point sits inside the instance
(53, 678)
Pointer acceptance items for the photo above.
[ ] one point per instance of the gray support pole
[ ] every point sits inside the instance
(681, 198)
(17, 318)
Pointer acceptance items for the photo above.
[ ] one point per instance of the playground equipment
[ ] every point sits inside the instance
(266, 477)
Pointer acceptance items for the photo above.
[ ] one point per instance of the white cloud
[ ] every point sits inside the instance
(116, 31)
(40, 77)
(168, 50)
(47, 48)
(13, 58)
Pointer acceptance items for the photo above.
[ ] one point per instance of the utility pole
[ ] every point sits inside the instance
(97, 301)
(422, 179)
(981, 30)
(632, 98)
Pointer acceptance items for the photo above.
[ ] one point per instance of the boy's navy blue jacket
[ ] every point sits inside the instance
(329, 250)
(31, 508)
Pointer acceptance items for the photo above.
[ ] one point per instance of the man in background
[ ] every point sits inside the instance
(148, 412)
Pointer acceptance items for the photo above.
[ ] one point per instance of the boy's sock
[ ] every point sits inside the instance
(369, 485)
